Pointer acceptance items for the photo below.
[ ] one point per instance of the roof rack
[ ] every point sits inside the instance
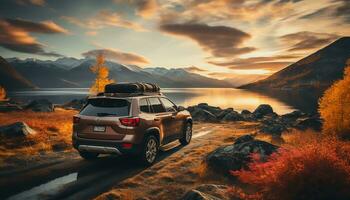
(129, 94)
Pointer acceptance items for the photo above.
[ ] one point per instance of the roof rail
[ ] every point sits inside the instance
(128, 94)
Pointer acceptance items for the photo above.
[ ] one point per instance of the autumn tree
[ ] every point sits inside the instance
(102, 72)
(2, 93)
(334, 107)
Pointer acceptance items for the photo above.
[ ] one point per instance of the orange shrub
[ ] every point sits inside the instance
(320, 170)
(335, 107)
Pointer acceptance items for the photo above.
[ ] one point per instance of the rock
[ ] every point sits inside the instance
(41, 105)
(223, 113)
(245, 112)
(290, 118)
(208, 192)
(60, 146)
(237, 156)
(76, 104)
(313, 123)
(9, 107)
(18, 129)
(262, 110)
(212, 109)
(244, 138)
(247, 115)
(232, 116)
(199, 114)
(272, 125)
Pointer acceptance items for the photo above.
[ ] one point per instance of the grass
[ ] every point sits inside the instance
(51, 129)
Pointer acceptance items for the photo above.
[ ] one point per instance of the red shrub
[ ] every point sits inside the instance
(315, 171)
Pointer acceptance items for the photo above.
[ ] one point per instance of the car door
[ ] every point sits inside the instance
(176, 119)
(165, 118)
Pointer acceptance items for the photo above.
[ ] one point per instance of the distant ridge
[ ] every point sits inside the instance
(316, 71)
(11, 79)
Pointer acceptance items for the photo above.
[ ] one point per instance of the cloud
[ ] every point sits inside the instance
(194, 69)
(146, 8)
(119, 56)
(219, 41)
(33, 2)
(104, 19)
(306, 40)
(15, 35)
(42, 27)
(272, 63)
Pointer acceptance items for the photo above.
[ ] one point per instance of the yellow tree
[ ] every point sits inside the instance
(334, 107)
(2, 93)
(102, 73)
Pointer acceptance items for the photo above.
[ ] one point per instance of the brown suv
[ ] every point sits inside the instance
(129, 124)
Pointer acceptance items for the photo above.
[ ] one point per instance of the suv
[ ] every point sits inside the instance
(129, 124)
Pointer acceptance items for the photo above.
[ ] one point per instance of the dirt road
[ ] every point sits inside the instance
(73, 178)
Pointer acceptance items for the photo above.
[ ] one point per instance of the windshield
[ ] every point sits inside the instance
(106, 107)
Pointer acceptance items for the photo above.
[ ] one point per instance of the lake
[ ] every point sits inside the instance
(223, 97)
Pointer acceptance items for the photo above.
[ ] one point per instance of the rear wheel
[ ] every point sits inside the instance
(187, 134)
(88, 155)
(149, 150)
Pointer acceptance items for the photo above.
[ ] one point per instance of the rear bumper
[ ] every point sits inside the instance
(104, 146)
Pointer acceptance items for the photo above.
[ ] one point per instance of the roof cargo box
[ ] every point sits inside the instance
(131, 88)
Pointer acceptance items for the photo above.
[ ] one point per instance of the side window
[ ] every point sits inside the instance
(144, 107)
(157, 106)
(169, 106)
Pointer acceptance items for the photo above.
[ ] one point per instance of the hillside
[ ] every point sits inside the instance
(316, 71)
(10, 78)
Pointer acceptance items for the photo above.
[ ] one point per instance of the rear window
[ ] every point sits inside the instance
(106, 107)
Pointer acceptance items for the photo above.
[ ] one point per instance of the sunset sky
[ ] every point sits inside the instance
(218, 38)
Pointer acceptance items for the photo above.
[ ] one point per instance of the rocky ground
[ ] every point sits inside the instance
(224, 140)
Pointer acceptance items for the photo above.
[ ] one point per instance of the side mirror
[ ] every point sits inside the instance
(181, 108)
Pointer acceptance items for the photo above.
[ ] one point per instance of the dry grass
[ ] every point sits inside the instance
(51, 128)
(183, 170)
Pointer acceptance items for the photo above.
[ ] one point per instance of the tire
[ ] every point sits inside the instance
(187, 134)
(149, 151)
(88, 155)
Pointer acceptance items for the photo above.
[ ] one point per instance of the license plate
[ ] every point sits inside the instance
(99, 128)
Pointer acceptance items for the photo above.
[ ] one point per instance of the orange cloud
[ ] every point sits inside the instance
(119, 56)
(15, 35)
(34, 2)
(104, 19)
(146, 8)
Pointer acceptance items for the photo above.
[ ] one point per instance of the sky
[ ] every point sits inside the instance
(216, 38)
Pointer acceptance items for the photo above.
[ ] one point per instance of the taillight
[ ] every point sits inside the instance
(76, 119)
(130, 121)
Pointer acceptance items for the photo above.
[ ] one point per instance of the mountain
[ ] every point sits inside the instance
(187, 79)
(71, 72)
(316, 71)
(10, 78)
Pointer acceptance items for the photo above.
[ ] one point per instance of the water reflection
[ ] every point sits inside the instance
(222, 97)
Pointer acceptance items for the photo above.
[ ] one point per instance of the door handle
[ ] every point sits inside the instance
(156, 119)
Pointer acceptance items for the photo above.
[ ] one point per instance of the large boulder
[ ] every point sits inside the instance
(9, 107)
(247, 115)
(272, 126)
(40, 105)
(208, 192)
(223, 113)
(313, 123)
(76, 104)
(290, 118)
(232, 116)
(237, 156)
(199, 114)
(262, 110)
(18, 129)
(212, 109)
